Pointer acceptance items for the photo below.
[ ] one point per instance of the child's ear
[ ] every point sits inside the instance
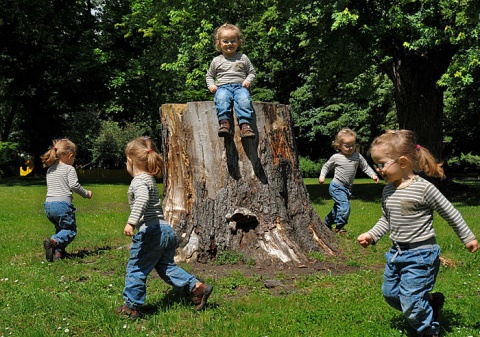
(403, 161)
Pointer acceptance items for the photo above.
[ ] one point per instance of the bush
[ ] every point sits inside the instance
(464, 163)
(10, 159)
(309, 168)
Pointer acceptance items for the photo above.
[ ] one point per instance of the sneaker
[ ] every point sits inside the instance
(200, 295)
(49, 245)
(126, 311)
(341, 231)
(246, 131)
(436, 302)
(224, 130)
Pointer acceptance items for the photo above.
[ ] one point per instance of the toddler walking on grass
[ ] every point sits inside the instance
(62, 180)
(345, 164)
(408, 203)
(154, 244)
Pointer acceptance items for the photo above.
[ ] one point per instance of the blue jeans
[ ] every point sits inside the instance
(341, 205)
(152, 248)
(62, 215)
(242, 103)
(407, 280)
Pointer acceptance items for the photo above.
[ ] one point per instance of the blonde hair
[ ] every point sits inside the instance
(144, 154)
(340, 137)
(399, 143)
(61, 147)
(224, 27)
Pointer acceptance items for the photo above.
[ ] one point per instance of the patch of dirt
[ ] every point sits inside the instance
(276, 277)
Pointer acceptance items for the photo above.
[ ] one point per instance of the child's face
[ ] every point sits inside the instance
(347, 145)
(386, 166)
(228, 42)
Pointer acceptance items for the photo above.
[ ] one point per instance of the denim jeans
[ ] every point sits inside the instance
(152, 248)
(242, 103)
(408, 278)
(62, 215)
(341, 205)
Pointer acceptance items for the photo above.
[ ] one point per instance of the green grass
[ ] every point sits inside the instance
(78, 296)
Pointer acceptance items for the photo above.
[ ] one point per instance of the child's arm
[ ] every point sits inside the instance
(212, 88)
(326, 168)
(367, 169)
(129, 230)
(365, 239)
(472, 246)
(210, 77)
(75, 185)
(249, 71)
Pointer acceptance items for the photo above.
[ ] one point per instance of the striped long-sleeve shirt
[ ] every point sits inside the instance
(144, 200)
(345, 167)
(62, 181)
(231, 70)
(408, 214)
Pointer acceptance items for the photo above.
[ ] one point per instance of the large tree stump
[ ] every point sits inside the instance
(237, 194)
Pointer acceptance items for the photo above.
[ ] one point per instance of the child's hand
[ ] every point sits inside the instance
(128, 230)
(90, 193)
(321, 180)
(472, 246)
(213, 88)
(246, 84)
(365, 240)
(376, 179)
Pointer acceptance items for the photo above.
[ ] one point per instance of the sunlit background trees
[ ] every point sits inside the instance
(98, 71)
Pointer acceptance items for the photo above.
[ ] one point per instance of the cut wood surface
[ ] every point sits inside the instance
(235, 194)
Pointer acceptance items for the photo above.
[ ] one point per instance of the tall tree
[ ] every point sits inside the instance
(414, 43)
(48, 68)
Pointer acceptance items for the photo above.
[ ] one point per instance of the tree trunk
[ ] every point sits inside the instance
(418, 97)
(234, 194)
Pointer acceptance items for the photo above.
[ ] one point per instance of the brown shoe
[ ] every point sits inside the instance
(200, 295)
(246, 131)
(126, 311)
(224, 130)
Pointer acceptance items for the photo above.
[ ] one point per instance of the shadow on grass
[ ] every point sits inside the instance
(171, 299)
(370, 192)
(449, 321)
(81, 254)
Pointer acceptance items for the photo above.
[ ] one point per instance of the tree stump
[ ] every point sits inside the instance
(235, 194)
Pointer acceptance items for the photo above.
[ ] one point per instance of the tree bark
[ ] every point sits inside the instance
(418, 97)
(234, 194)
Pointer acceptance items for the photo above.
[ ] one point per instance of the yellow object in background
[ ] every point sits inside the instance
(28, 170)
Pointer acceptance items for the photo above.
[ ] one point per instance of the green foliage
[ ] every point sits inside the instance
(309, 168)
(10, 159)
(229, 257)
(332, 61)
(108, 149)
(465, 162)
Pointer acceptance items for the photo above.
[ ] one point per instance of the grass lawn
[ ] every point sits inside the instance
(78, 296)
